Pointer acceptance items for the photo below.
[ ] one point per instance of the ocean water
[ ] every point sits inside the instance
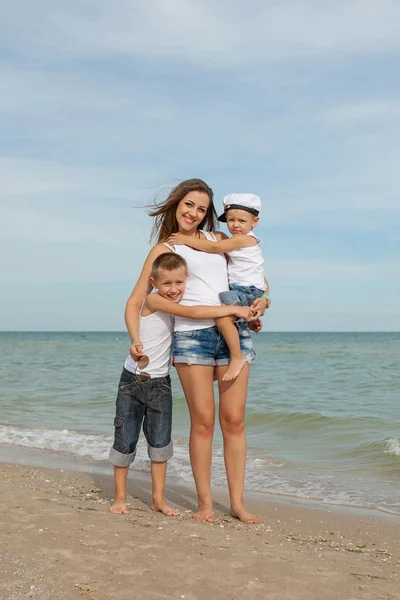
(323, 412)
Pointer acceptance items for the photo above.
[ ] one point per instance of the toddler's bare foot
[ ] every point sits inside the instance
(234, 368)
(165, 509)
(119, 507)
(204, 514)
(244, 515)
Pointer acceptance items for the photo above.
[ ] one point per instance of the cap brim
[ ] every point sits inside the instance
(248, 209)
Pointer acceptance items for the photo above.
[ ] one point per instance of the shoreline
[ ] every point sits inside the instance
(56, 459)
(59, 541)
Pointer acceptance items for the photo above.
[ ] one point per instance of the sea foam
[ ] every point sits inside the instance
(392, 446)
(263, 474)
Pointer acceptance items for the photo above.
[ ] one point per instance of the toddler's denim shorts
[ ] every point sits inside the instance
(142, 402)
(208, 347)
(240, 295)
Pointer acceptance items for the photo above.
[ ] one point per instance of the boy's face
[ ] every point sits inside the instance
(170, 284)
(240, 222)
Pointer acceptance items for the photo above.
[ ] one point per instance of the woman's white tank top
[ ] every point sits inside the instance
(207, 277)
(156, 336)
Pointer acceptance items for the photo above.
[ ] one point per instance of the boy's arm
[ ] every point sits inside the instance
(226, 245)
(135, 301)
(156, 302)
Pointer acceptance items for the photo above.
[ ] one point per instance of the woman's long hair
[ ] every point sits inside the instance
(164, 214)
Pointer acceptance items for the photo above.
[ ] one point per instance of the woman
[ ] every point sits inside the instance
(199, 348)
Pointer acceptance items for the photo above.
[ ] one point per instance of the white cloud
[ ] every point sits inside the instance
(372, 109)
(203, 32)
(25, 224)
(323, 271)
(43, 178)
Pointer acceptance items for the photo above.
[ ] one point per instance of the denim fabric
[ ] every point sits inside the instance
(208, 347)
(240, 295)
(142, 402)
(246, 342)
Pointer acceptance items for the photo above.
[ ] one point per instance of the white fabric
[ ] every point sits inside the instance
(155, 332)
(248, 200)
(245, 266)
(207, 277)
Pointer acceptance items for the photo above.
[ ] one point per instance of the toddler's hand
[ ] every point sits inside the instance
(177, 239)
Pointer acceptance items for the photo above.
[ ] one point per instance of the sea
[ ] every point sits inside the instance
(323, 412)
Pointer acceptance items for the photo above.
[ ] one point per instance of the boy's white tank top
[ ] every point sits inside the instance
(207, 277)
(155, 333)
(246, 266)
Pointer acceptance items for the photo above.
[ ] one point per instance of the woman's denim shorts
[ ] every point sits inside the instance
(208, 347)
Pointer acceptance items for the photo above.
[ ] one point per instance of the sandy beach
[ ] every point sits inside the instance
(58, 540)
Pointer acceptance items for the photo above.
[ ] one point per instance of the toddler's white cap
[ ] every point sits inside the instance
(249, 202)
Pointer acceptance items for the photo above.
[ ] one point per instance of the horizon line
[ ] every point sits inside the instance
(267, 331)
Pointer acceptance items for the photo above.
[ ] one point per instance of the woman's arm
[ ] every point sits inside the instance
(156, 302)
(135, 300)
(219, 247)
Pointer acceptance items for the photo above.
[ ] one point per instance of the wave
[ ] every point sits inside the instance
(392, 446)
(256, 418)
(378, 458)
(87, 447)
(84, 445)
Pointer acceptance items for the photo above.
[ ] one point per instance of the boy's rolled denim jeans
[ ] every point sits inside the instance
(147, 403)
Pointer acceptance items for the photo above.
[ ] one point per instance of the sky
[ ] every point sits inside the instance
(105, 106)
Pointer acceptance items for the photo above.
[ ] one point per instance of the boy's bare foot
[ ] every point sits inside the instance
(244, 516)
(119, 507)
(165, 509)
(204, 514)
(234, 368)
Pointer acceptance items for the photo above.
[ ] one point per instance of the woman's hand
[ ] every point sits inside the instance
(177, 239)
(259, 306)
(244, 312)
(256, 325)
(136, 350)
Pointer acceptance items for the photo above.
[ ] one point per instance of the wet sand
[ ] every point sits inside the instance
(58, 541)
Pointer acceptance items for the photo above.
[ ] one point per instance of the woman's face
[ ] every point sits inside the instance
(191, 211)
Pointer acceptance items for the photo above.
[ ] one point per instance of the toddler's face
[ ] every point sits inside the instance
(171, 284)
(240, 222)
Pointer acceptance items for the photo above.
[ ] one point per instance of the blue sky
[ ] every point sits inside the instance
(106, 105)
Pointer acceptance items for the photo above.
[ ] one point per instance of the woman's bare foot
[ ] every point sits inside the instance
(204, 514)
(119, 507)
(165, 509)
(244, 515)
(234, 368)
